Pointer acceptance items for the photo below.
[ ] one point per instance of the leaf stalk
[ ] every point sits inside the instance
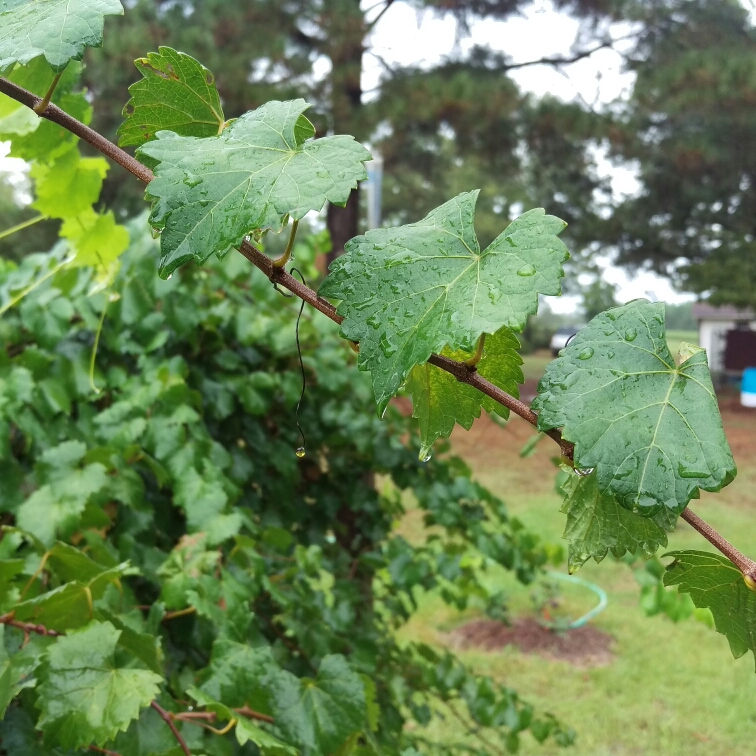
(21, 226)
(286, 256)
(41, 106)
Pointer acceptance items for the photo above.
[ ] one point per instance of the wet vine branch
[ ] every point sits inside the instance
(277, 275)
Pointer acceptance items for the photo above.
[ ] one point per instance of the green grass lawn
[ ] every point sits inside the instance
(671, 689)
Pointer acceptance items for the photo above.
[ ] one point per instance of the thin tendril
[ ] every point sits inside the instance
(302, 449)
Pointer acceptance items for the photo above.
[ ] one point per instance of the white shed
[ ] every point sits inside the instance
(713, 325)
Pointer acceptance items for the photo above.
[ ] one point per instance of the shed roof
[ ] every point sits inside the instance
(704, 311)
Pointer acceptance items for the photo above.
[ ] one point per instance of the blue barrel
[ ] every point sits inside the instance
(748, 388)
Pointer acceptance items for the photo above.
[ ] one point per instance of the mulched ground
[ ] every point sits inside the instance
(584, 647)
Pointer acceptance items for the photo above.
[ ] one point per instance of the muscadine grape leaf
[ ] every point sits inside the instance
(439, 400)
(176, 94)
(59, 30)
(410, 291)
(715, 583)
(597, 524)
(84, 697)
(96, 238)
(651, 429)
(69, 186)
(209, 193)
(320, 714)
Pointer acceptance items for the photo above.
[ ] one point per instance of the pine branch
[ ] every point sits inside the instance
(460, 371)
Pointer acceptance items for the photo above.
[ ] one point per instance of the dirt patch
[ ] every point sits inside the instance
(584, 647)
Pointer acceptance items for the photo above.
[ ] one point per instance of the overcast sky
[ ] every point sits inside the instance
(404, 36)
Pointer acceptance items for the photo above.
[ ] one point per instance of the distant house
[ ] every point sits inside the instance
(728, 335)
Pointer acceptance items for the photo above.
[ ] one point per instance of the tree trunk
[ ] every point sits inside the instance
(345, 25)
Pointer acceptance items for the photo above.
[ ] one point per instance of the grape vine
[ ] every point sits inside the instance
(86, 658)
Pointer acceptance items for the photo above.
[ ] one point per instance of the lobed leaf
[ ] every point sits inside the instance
(209, 193)
(84, 697)
(715, 583)
(176, 94)
(320, 714)
(439, 400)
(410, 291)
(651, 429)
(58, 29)
(597, 524)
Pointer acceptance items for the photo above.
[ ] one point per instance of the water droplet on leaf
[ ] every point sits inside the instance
(630, 334)
(586, 354)
(526, 270)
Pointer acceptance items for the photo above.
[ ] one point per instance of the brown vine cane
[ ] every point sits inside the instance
(277, 275)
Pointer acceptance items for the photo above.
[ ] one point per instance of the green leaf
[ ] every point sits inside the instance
(71, 605)
(16, 672)
(57, 29)
(176, 94)
(715, 583)
(97, 239)
(236, 675)
(651, 429)
(320, 714)
(209, 193)
(439, 400)
(410, 291)
(84, 696)
(269, 745)
(32, 137)
(69, 186)
(597, 524)
(57, 508)
(144, 646)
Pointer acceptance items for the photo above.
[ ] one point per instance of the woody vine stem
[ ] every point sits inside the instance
(274, 270)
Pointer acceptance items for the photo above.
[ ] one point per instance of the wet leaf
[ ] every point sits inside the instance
(650, 428)
(410, 291)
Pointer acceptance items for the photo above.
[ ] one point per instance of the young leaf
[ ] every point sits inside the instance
(97, 239)
(439, 400)
(176, 94)
(209, 193)
(84, 697)
(597, 524)
(715, 583)
(410, 291)
(320, 714)
(650, 428)
(57, 29)
(69, 186)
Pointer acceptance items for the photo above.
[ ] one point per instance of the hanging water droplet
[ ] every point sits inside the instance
(300, 452)
(586, 354)
(155, 232)
(526, 270)
(584, 472)
(630, 334)
(425, 455)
